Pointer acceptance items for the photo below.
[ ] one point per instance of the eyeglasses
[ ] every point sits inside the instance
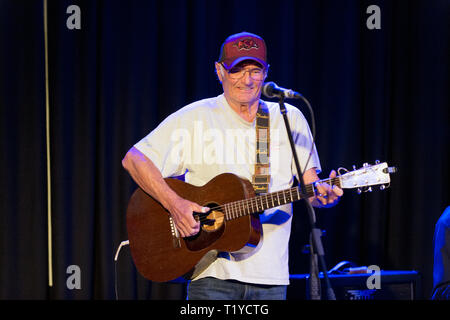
(256, 74)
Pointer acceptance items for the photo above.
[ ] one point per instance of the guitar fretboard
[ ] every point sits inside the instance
(263, 202)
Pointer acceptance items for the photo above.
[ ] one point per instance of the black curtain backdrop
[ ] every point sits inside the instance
(377, 94)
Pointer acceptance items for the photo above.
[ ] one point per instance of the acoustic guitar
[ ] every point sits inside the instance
(161, 254)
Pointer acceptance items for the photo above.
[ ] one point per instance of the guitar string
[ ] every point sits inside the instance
(259, 200)
(237, 205)
(247, 203)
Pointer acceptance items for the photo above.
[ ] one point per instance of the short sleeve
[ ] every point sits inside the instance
(165, 146)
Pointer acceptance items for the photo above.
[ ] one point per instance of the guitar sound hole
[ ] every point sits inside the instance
(212, 227)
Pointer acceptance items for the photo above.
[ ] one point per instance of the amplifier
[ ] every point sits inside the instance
(393, 285)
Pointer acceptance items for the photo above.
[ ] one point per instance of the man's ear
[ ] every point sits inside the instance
(219, 72)
(266, 73)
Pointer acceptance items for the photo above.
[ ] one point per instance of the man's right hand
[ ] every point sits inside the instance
(182, 211)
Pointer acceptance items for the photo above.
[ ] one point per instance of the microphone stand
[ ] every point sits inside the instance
(313, 280)
(316, 249)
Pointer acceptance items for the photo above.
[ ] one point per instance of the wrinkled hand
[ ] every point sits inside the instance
(326, 195)
(182, 211)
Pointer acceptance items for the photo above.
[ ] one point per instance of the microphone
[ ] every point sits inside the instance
(271, 90)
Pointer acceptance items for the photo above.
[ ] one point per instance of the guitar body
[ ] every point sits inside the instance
(159, 252)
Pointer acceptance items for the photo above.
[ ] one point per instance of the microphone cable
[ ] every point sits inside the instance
(123, 243)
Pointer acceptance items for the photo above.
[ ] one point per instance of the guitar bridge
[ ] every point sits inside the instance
(175, 234)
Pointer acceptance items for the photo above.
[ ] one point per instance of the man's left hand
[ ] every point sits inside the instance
(326, 195)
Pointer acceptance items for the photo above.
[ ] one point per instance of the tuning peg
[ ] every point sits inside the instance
(382, 187)
(369, 189)
(390, 170)
(365, 165)
(354, 167)
(359, 190)
(377, 161)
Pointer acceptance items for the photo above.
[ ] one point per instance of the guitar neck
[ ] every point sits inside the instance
(266, 201)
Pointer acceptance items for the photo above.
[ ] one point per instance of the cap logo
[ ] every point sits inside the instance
(246, 44)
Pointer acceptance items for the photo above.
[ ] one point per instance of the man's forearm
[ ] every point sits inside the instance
(148, 177)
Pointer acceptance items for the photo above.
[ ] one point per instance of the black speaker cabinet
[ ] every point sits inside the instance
(392, 285)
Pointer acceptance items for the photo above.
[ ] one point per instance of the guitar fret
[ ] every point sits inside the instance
(238, 213)
(225, 211)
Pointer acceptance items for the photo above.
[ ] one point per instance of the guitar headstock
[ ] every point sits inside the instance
(367, 176)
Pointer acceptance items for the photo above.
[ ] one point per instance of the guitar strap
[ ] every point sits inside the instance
(261, 177)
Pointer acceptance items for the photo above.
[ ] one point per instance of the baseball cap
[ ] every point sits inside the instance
(243, 46)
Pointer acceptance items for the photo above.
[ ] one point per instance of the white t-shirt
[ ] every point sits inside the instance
(207, 138)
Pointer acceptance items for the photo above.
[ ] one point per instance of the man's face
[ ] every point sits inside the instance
(242, 84)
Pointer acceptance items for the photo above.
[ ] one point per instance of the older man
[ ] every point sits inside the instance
(218, 135)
